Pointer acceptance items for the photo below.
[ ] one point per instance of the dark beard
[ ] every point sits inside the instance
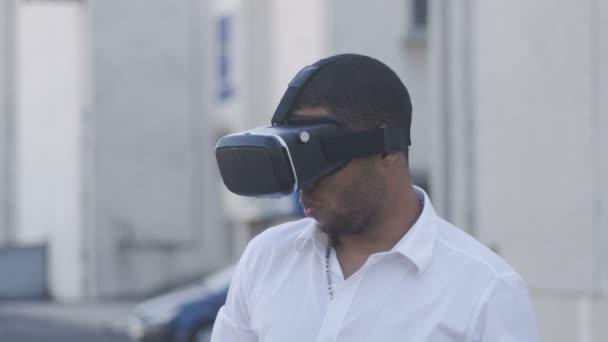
(353, 223)
(359, 207)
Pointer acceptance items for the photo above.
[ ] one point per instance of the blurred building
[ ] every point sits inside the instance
(520, 93)
(107, 158)
(6, 117)
(110, 111)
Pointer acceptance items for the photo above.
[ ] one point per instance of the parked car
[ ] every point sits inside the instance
(184, 315)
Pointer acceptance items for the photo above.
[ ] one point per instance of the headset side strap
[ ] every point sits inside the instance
(386, 140)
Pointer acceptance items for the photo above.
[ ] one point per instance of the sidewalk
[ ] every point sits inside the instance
(111, 316)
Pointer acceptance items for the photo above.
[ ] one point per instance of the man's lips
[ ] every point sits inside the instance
(309, 211)
(309, 207)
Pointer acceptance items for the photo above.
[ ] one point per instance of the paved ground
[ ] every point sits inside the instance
(51, 322)
(29, 329)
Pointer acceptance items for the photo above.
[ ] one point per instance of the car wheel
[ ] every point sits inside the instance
(203, 334)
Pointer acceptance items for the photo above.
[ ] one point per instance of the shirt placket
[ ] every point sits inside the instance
(338, 308)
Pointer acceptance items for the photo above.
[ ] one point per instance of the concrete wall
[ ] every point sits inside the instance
(521, 146)
(7, 40)
(300, 37)
(49, 105)
(452, 124)
(114, 148)
(599, 122)
(156, 219)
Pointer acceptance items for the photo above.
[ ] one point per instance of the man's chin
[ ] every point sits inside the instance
(324, 227)
(336, 230)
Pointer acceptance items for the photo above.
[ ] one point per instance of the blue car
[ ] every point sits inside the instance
(184, 315)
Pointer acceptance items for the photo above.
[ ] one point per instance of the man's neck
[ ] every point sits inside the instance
(395, 220)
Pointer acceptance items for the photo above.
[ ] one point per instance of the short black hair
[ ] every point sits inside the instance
(363, 91)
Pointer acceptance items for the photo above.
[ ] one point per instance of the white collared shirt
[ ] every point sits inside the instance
(437, 284)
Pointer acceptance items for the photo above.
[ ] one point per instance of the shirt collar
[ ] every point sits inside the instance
(313, 235)
(416, 245)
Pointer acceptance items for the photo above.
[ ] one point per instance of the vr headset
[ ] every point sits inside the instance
(297, 150)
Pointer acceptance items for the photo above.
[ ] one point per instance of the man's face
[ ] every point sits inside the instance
(347, 201)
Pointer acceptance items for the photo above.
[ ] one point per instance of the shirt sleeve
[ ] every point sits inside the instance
(232, 322)
(505, 313)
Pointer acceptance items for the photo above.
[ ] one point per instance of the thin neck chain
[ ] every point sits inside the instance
(330, 245)
(330, 290)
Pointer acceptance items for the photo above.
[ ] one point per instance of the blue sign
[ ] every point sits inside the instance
(225, 67)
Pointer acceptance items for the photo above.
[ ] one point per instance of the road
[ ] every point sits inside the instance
(15, 328)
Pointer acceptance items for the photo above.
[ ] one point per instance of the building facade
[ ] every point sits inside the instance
(519, 130)
(7, 87)
(104, 149)
(110, 112)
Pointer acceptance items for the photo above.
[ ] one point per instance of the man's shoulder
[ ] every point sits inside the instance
(280, 235)
(273, 246)
(456, 244)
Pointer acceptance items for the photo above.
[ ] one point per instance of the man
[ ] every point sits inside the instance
(373, 261)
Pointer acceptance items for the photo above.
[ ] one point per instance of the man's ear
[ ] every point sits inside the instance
(388, 159)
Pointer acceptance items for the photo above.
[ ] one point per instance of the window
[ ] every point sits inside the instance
(418, 18)
(419, 15)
